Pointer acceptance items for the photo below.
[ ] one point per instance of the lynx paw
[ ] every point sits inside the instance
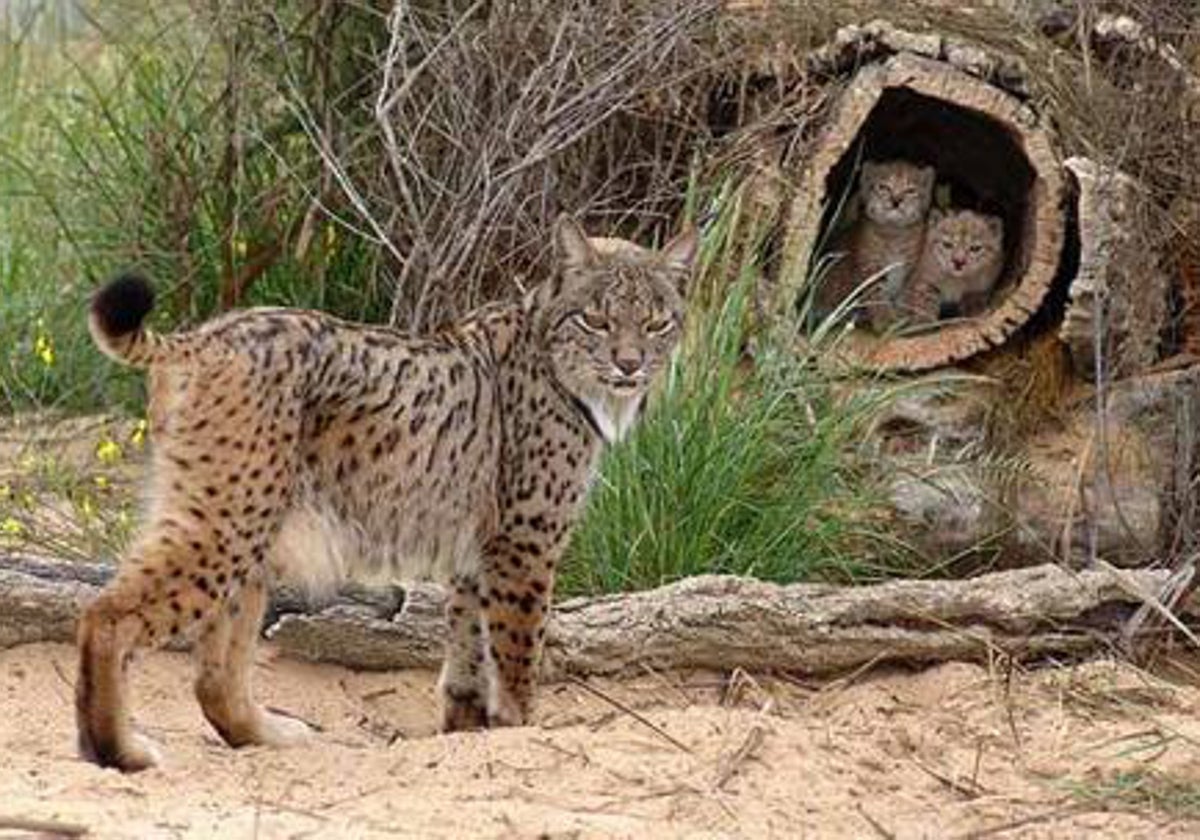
(278, 729)
(136, 754)
(463, 711)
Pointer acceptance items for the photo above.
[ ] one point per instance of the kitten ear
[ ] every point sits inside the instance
(935, 216)
(680, 252)
(995, 226)
(869, 170)
(574, 250)
(928, 176)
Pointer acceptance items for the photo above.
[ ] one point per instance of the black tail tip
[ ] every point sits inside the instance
(120, 307)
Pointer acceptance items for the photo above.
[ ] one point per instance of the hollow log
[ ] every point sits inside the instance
(704, 622)
(985, 143)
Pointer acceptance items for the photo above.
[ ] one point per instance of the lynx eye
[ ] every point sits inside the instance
(976, 248)
(593, 322)
(657, 326)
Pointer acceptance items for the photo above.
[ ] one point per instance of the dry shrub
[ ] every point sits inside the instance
(474, 124)
(512, 115)
(448, 135)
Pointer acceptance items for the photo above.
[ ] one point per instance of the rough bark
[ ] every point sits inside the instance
(1119, 294)
(704, 622)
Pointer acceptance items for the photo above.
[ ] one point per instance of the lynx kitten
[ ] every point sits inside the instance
(960, 262)
(290, 443)
(895, 198)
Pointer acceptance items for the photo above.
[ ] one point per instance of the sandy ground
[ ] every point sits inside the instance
(952, 751)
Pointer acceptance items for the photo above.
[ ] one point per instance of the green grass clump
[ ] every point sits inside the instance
(1145, 791)
(736, 468)
(143, 143)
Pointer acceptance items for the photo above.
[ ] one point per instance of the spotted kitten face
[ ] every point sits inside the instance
(965, 243)
(897, 192)
(617, 313)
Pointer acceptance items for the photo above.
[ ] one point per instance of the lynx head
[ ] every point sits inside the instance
(964, 243)
(897, 192)
(611, 317)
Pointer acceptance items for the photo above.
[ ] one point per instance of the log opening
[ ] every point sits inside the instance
(990, 149)
(979, 163)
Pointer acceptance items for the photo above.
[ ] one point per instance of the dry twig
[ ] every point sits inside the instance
(749, 748)
(640, 718)
(54, 828)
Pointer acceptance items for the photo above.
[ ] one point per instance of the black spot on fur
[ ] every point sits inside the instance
(120, 307)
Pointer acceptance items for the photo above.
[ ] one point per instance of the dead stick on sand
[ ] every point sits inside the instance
(751, 745)
(968, 792)
(618, 705)
(875, 824)
(61, 829)
(1050, 815)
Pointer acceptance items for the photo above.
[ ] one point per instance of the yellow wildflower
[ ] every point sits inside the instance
(101, 482)
(43, 344)
(108, 451)
(138, 436)
(11, 527)
(239, 248)
(45, 350)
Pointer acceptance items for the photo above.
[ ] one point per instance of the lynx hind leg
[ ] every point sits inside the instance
(155, 598)
(225, 663)
(468, 674)
(206, 542)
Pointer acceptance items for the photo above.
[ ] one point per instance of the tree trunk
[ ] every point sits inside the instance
(703, 622)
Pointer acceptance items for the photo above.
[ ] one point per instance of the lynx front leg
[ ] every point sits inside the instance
(519, 584)
(468, 672)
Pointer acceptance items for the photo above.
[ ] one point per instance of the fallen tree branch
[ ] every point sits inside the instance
(703, 622)
(42, 828)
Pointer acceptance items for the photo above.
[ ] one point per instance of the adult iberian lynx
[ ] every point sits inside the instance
(287, 442)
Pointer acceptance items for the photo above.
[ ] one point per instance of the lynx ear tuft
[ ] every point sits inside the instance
(680, 252)
(995, 226)
(574, 250)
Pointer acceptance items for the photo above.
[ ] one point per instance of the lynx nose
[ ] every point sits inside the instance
(627, 361)
(959, 262)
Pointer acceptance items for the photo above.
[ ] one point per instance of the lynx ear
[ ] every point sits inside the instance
(869, 170)
(935, 216)
(574, 250)
(680, 252)
(995, 226)
(928, 175)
